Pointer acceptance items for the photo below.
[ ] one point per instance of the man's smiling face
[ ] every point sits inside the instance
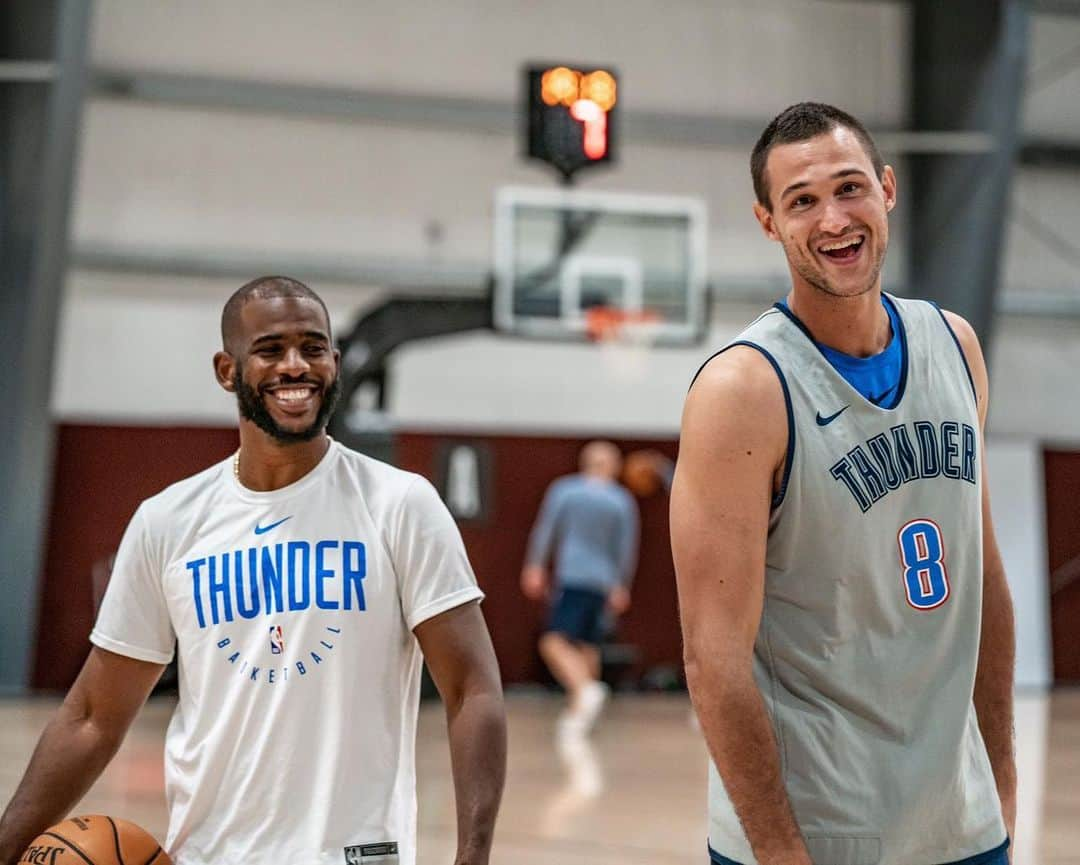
(285, 372)
(829, 210)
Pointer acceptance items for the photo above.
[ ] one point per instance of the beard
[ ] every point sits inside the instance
(253, 408)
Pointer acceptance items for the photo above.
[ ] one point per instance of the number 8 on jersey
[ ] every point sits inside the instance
(922, 557)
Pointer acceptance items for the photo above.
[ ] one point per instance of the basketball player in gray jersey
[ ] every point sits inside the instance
(847, 624)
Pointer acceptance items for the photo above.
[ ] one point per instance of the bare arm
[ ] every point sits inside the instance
(459, 654)
(997, 645)
(994, 678)
(628, 544)
(534, 575)
(76, 745)
(734, 439)
(627, 549)
(542, 536)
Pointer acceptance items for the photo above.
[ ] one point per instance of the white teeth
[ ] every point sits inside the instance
(286, 395)
(840, 244)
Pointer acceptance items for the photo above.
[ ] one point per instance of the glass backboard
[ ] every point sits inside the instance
(562, 252)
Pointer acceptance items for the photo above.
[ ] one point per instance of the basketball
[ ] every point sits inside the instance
(96, 840)
(640, 473)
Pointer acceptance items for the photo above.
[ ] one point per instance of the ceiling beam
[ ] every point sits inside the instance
(469, 114)
(1050, 153)
(1055, 7)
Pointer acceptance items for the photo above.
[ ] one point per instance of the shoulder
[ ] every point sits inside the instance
(738, 403)
(370, 472)
(383, 488)
(958, 326)
(968, 341)
(625, 498)
(972, 351)
(184, 494)
(964, 333)
(743, 375)
(565, 485)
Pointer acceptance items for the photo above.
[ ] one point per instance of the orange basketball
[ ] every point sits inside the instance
(641, 474)
(95, 840)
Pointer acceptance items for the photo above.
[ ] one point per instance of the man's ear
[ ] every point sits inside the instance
(224, 369)
(888, 186)
(765, 219)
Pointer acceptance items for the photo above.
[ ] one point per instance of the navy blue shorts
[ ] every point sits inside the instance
(578, 614)
(997, 856)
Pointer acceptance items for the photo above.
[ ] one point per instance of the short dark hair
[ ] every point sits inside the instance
(802, 122)
(260, 288)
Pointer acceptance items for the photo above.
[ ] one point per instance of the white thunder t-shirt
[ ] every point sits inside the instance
(293, 739)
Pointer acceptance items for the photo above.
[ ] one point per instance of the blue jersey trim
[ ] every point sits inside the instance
(959, 348)
(902, 387)
(718, 858)
(989, 857)
(905, 362)
(778, 499)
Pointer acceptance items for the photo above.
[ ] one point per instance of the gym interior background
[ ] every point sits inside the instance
(157, 155)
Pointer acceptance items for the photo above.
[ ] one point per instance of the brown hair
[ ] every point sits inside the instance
(802, 122)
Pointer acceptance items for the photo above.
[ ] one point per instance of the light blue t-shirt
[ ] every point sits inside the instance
(590, 527)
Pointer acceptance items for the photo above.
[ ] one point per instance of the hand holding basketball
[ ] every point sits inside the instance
(96, 840)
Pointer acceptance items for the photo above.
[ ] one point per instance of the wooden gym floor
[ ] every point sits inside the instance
(636, 794)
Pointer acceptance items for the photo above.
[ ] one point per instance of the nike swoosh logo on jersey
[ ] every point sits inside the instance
(825, 421)
(262, 530)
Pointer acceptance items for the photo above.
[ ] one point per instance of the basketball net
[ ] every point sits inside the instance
(625, 338)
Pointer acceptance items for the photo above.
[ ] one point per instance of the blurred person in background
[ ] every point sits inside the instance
(587, 531)
(300, 582)
(847, 624)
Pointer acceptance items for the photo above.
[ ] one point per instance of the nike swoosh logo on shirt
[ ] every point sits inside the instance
(825, 421)
(262, 530)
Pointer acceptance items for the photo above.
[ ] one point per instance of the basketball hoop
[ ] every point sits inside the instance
(611, 268)
(625, 338)
(612, 324)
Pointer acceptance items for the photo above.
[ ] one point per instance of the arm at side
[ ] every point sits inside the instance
(997, 645)
(534, 574)
(732, 447)
(459, 654)
(76, 745)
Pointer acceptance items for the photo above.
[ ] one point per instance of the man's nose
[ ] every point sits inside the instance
(294, 363)
(834, 219)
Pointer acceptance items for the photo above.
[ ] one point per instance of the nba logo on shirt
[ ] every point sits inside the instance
(277, 640)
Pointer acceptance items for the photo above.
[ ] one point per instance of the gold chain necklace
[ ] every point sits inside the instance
(236, 464)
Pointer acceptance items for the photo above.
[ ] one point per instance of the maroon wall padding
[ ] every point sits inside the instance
(1062, 470)
(103, 472)
(522, 468)
(100, 476)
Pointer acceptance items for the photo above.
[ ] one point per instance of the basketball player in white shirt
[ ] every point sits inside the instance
(847, 624)
(300, 583)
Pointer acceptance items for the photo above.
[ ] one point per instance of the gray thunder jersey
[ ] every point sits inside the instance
(869, 637)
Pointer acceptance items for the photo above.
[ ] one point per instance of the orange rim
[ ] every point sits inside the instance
(607, 322)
